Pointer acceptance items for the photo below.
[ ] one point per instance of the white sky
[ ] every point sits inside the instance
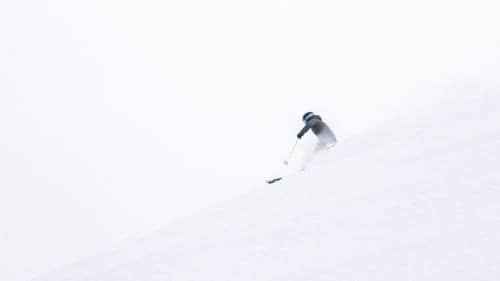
(118, 117)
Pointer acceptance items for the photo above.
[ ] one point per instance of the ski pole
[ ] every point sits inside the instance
(291, 152)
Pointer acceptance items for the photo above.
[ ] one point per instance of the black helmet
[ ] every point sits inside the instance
(307, 116)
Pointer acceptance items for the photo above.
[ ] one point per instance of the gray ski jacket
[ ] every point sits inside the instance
(319, 128)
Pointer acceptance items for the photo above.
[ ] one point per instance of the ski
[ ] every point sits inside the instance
(273, 180)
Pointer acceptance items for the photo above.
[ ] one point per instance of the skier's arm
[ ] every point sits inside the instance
(303, 131)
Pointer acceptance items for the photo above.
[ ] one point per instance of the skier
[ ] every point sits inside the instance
(326, 138)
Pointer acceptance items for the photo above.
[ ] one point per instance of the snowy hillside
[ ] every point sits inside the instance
(419, 200)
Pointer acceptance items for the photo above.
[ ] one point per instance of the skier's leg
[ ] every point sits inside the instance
(307, 156)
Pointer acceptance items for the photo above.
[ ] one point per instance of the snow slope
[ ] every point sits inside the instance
(419, 200)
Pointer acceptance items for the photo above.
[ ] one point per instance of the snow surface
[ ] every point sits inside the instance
(419, 200)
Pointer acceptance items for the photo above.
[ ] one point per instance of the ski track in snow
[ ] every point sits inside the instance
(417, 201)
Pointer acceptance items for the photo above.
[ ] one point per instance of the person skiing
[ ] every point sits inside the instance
(326, 138)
